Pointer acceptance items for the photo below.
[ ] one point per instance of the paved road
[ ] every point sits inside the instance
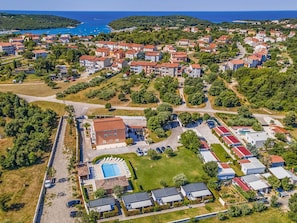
(54, 209)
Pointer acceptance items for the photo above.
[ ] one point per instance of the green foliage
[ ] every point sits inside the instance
(234, 211)
(211, 168)
(290, 119)
(108, 106)
(259, 207)
(167, 87)
(149, 112)
(286, 184)
(30, 21)
(100, 193)
(274, 201)
(31, 129)
(164, 107)
(185, 118)
(274, 182)
(222, 216)
(152, 21)
(217, 87)
(190, 140)
(143, 97)
(293, 207)
(197, 98)
(180, 180)
(4, 199)
(153, 154)
(227, 99)
(118, 190)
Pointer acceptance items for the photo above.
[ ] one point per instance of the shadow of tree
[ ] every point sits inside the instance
(16, 206)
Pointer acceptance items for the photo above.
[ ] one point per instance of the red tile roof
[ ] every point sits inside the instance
(5, 44)
(231, 140)
(108, 124)
(168, 65)
(276, 159)
(143, 63)
(243, 161)
(221, 130)
(196, 66)
(278, 129)
(241, 151)
(89, 58)
(236, 61)
(152, 53)
(241, 184)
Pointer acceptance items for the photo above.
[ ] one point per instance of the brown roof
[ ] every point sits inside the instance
(108, 124)
(196, 66)
(168, 65)
(276, 159)
(5, 44)
(153, 53)
(89, 58)
(110, 183)
(83, 170)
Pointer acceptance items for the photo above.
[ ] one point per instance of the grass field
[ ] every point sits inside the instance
(120, 112)
(221, 153)
(151, 172)
(57, 107)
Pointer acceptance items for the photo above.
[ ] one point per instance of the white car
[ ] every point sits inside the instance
(47, 183)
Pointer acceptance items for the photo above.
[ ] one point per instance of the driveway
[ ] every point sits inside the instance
(54, 209)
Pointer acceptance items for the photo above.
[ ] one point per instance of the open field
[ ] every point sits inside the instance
(269, 216)
(57, 107)
(119, 112)
(150, 172)
(220, 153)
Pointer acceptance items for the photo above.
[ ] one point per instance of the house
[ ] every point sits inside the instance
(281, 173)
(137, 200)
(252, 166)
(208, 156)
(183, 42)
(241, 152)
(195, 191)
(167, 69)
(256, 183)
(118, 65)
(276, 161)
(149, 48)
(153, 56)
(235, 64)
(83, 171)
(167, 195)
(225, 172)
(117, 54)
(256, 138)
(224, 39)
(131, 54)
(177, 57)
(110, 131)
(90, 63)
(169, 48)
(102, 52)
(109, 183)
(194, 70)
(231, 140)
(7, 48)
(102, 204)
(222, 131)
(139, 66)
(103, 62)
(253, 61)
(240, 183)
(39, 53)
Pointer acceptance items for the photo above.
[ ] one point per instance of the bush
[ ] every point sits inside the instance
(148, 209)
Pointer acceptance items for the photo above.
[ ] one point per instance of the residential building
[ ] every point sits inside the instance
(103, 62)
(167, 195)
(167, 69)
(102, 204)
(183, 42)
(253, 61)
(231, 141)
(118, 65)
(196, 191)
(7, 48)
(194, 70)
(281, 173)
(256, 138)
(149, 48)
(235, 64)
(256, 183)
(131, 54)
(102, 52)
(90, 63)
(169, 48)
(276, 161)
(39, 54)
(241, 152)
(252, 166)
(225, 172)
(208, 156)
(110, 131)
(222, 131)
(177, 57)
(139, 66)
(240, 183)
(153, 56)
(136, 201)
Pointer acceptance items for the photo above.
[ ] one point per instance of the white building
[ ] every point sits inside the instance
(252, 166)
(256, 138)
(280, 173)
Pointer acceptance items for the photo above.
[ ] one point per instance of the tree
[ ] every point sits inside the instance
(281, 136)
(100, 193)
(180, 180)
(206, 116)
(244, 112)
(290, 119)
(108, 106)
(190, 140)
(293, 207)
(234, 211)
(245, 210)
(164, 107)
(222, 216)
(286, 184)
(195, 116)
(118, 190)
(274, 201)
(153, 154)
(211, 168)
(259, 207)
(274, 182)
(169, 152)
(149, 112)
(185, 118)
(214, 184)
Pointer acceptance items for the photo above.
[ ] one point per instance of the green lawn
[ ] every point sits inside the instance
(221, 153)
(151, 172)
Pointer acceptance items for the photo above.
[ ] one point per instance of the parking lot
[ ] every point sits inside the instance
(54, 209)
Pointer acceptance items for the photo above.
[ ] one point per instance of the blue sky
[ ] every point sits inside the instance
(148, 5)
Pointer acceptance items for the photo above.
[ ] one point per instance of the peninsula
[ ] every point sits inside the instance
(27, 21)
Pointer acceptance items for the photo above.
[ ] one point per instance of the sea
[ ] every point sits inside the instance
(93, 23)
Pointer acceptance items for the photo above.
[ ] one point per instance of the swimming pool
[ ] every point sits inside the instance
(110, 170)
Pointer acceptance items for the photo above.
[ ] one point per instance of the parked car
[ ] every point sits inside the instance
(158, 150)
(74, 214)
(139, 153)
(47, 183)
(72, 203)
(163, 148)
(145, 152)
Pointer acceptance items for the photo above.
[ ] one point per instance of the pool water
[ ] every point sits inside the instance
(110, 170)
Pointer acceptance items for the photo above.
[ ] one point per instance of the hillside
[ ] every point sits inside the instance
(151, 21)
(22, 21)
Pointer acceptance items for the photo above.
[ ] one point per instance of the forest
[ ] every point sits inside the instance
(22, 21)
(151, 21)
(30, 127)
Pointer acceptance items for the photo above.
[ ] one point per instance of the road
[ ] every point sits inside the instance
(81, 108)
(54, 209)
